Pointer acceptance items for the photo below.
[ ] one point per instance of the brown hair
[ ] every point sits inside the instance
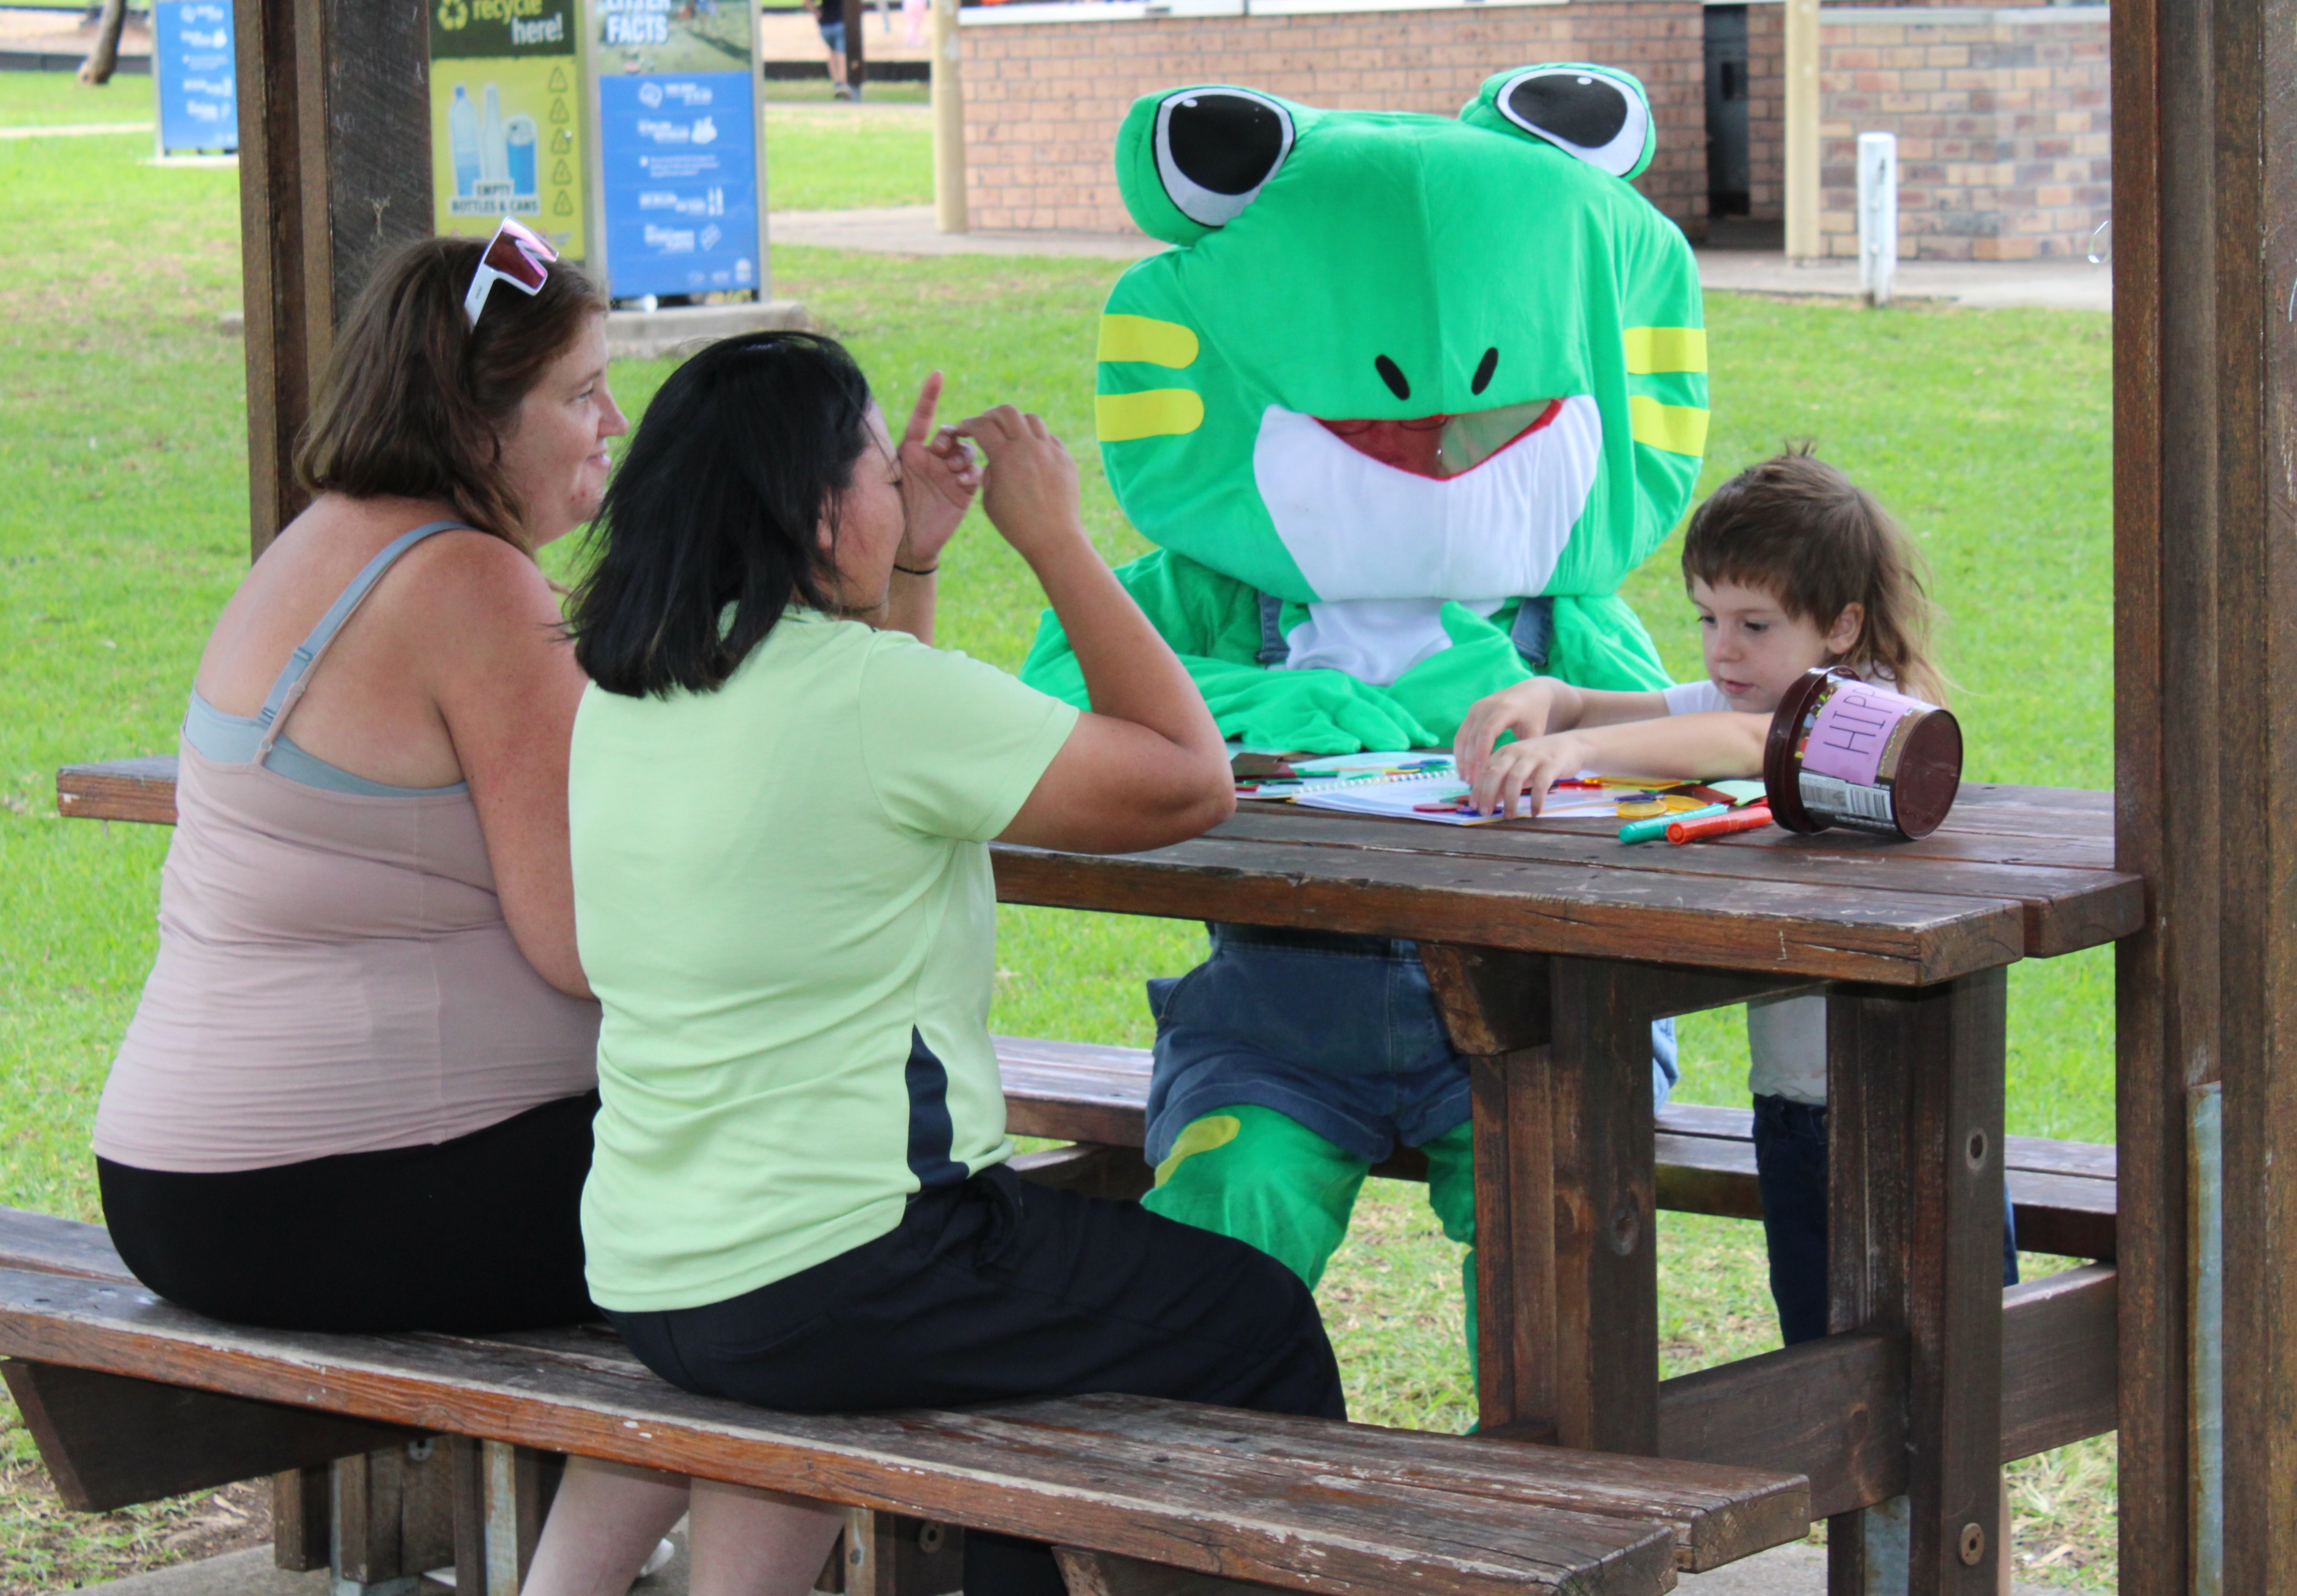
(415, 402)
(1800, 531)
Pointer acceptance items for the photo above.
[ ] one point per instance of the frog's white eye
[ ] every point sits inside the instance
(1216, 147)
(1587, 113)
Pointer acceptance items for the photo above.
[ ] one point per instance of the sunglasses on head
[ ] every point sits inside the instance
(515, 255)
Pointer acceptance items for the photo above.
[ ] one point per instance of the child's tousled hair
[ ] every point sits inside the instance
(1798, 529)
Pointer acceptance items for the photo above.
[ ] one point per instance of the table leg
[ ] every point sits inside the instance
(1914, 1238)
(1566, 1257)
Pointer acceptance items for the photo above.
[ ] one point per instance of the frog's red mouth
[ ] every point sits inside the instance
(1445, 446)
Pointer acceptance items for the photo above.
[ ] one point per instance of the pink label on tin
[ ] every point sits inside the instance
(1852, 730)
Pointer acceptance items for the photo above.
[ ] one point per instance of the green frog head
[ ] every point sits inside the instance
(1395, 359)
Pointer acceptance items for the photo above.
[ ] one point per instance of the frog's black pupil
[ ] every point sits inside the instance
(1484, 367)
(1225, 142)
(1588, 111)
(1393, 375)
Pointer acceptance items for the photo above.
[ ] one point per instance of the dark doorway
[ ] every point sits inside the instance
(1726, 110)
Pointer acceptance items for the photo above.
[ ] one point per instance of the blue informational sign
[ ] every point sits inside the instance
(199, 92)
(679, 154)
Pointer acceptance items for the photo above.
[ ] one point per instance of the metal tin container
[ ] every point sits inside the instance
(1845, 753)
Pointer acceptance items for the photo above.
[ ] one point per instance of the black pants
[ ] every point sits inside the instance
(995, 1289)
(1790, 1171)
(483, 1233)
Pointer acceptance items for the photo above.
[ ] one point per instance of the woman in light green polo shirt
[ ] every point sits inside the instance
(781, 797)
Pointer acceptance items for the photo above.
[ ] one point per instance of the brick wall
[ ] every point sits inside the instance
(1043, 100)
(2002, 118)
(1767, 112)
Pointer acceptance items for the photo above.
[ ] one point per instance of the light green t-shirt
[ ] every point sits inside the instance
(782, 899)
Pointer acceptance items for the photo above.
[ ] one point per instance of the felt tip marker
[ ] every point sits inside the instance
(1753, 818)
(1656, 828)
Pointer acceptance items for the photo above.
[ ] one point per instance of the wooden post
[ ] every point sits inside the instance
(948, 120)
(334, 153)
(1801, 114)
(1914, 1243)
(2205, 394)
(857, 20)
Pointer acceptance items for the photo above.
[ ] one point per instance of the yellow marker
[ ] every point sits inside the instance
(1678, 429)
(1145, 338)
(1665, 349)
(1212, 1131)
(1157, 413)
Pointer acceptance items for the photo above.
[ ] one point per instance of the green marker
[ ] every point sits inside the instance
(1654, 828)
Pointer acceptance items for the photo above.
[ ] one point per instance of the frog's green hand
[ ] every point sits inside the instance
(1438, 691)
(1213, 623)
(1600, 642)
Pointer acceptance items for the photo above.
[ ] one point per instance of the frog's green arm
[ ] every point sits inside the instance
(1213, 623)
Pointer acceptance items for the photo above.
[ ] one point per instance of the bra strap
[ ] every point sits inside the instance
(272, 717)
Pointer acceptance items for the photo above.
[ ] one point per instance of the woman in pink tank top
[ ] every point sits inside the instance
(357, 1092)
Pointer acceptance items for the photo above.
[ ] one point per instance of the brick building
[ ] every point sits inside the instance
(2001, 114)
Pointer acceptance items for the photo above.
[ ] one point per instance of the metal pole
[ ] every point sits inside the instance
(948, 120)
(1877, 216)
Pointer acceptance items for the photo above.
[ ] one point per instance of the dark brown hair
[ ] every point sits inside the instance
(1798, 529)
(415, 402)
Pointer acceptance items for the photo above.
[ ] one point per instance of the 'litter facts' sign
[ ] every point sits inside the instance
(191, 58)
(678, 144)
(505, 122)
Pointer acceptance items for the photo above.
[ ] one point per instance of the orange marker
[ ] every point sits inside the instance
(1752, 818)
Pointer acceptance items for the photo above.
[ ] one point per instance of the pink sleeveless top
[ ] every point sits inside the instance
(335, 975)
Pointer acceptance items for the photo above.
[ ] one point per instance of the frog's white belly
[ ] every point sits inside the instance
(1385, 548)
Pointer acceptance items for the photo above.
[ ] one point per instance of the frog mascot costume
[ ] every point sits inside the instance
(1405, 402)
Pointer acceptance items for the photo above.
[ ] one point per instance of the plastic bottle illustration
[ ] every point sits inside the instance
(494, 155)
(463, 142)
(518, 135)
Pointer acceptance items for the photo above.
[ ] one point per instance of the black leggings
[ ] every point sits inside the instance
(479, 1234)
(993, 1290)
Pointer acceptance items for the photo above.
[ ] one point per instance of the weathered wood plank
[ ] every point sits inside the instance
(1345, 1536)
(1835, 1408)
(112, 1442)
(62, 1246)
(2065, 908)
(128, 789)
(1720, 1517)
(2058, 1353)
(1779, 928)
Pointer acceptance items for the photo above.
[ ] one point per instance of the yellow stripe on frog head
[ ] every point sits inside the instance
(1678, 429)
(1665, 349)
(1157, 413)
(1146, 339)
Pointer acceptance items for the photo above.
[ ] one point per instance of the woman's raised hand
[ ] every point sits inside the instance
(939, 479)
(1031, 492)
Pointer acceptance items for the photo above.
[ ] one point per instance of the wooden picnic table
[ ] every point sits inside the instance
(1552, 947)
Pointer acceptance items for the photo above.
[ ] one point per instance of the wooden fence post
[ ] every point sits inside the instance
(2205, 418)
(335, 160)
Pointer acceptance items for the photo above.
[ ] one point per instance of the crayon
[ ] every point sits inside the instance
(1752, 818)
(1657, 827)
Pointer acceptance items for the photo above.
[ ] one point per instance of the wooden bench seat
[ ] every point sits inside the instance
(2064, 1191)
(1300, 1504)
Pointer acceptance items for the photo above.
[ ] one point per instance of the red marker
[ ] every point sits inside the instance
(1752, 818)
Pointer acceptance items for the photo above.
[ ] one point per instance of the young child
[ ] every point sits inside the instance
(1790, 564)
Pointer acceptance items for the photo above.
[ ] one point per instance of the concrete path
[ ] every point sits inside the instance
(1797, 1570)
(2054, 285)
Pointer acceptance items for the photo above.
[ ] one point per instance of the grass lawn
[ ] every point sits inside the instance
(122, 529)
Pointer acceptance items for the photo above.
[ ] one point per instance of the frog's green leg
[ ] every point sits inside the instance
(1264, 1179)
(1451, 1193)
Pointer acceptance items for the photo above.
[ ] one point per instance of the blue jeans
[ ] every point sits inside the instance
(1790, 1169)
(1338, 1033)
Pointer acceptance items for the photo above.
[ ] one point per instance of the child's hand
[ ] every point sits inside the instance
(1526, 708)
(939, 479)
(1525, 770)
